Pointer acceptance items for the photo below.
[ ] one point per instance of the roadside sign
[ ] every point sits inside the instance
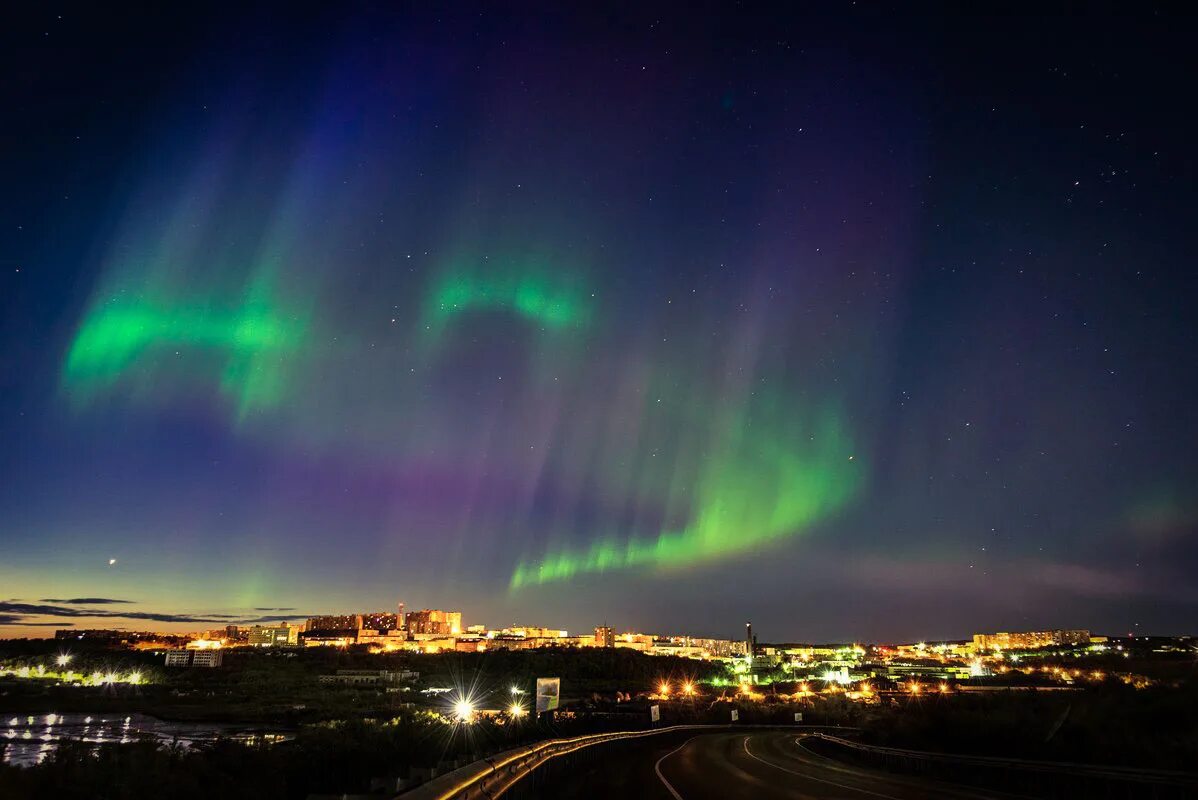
(798, 716)
(735, 715)
(655, 713)
(548, 692)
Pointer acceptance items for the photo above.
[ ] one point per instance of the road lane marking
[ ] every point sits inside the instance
(956, 790)
(657, 767)
(805, 776)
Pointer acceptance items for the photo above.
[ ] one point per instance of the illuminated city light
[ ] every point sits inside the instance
(517, 710)
(663, 689)
(63, 659)
(688, 688)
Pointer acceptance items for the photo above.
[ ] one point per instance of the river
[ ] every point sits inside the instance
(29, 739)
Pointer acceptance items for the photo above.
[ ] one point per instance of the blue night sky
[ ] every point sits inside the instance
(858, 323)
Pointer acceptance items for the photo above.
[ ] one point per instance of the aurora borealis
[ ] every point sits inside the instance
(856, 326)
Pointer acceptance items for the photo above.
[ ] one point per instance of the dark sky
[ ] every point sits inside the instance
(858, 322)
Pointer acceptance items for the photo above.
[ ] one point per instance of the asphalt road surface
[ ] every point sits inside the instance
(762, 765)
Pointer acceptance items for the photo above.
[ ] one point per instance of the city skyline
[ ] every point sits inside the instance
(859, 324)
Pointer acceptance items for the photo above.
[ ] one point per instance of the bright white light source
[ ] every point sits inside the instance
(463, 710)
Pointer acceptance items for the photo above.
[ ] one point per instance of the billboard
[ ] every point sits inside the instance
(548, 692)
(655, 713)
(735, 715)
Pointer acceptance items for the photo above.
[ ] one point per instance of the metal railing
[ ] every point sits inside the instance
(493, 776)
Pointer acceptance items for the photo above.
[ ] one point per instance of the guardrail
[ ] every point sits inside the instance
(493, 776)
(1056, 778)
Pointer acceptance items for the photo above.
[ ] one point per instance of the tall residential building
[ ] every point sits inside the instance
(435, 623)
(381, 621)
(339, 622)
(1029, 640)
(605, 636)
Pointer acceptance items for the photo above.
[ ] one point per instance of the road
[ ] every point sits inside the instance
(762, 765)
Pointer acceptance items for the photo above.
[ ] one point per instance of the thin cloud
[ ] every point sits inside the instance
(85, 601)
(14, 619)
(19, 611)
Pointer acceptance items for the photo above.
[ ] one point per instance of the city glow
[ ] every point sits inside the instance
(63, 659)
(516, 710)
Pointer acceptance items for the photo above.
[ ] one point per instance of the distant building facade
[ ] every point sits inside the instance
(431, 622)
(381, 621)
(273, 636)
(605, 636)
(369, 677)
(1028, 640)
(337, 622)
(195, 658)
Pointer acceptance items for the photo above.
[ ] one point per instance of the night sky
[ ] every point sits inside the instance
(858, 322)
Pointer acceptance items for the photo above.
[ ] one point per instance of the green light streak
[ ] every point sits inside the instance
(760, 486)
(128, 341)
(555, 305)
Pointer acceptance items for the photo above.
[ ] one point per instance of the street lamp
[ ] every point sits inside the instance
(463, 710)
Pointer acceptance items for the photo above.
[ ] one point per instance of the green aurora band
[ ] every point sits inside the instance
(527, 294)
(758, 487)
(127, 341)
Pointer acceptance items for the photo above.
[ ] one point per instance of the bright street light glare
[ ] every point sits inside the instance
(463, 710)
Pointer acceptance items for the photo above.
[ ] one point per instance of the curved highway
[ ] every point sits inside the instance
(763, 765)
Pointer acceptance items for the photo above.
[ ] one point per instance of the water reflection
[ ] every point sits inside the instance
(30, 740)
